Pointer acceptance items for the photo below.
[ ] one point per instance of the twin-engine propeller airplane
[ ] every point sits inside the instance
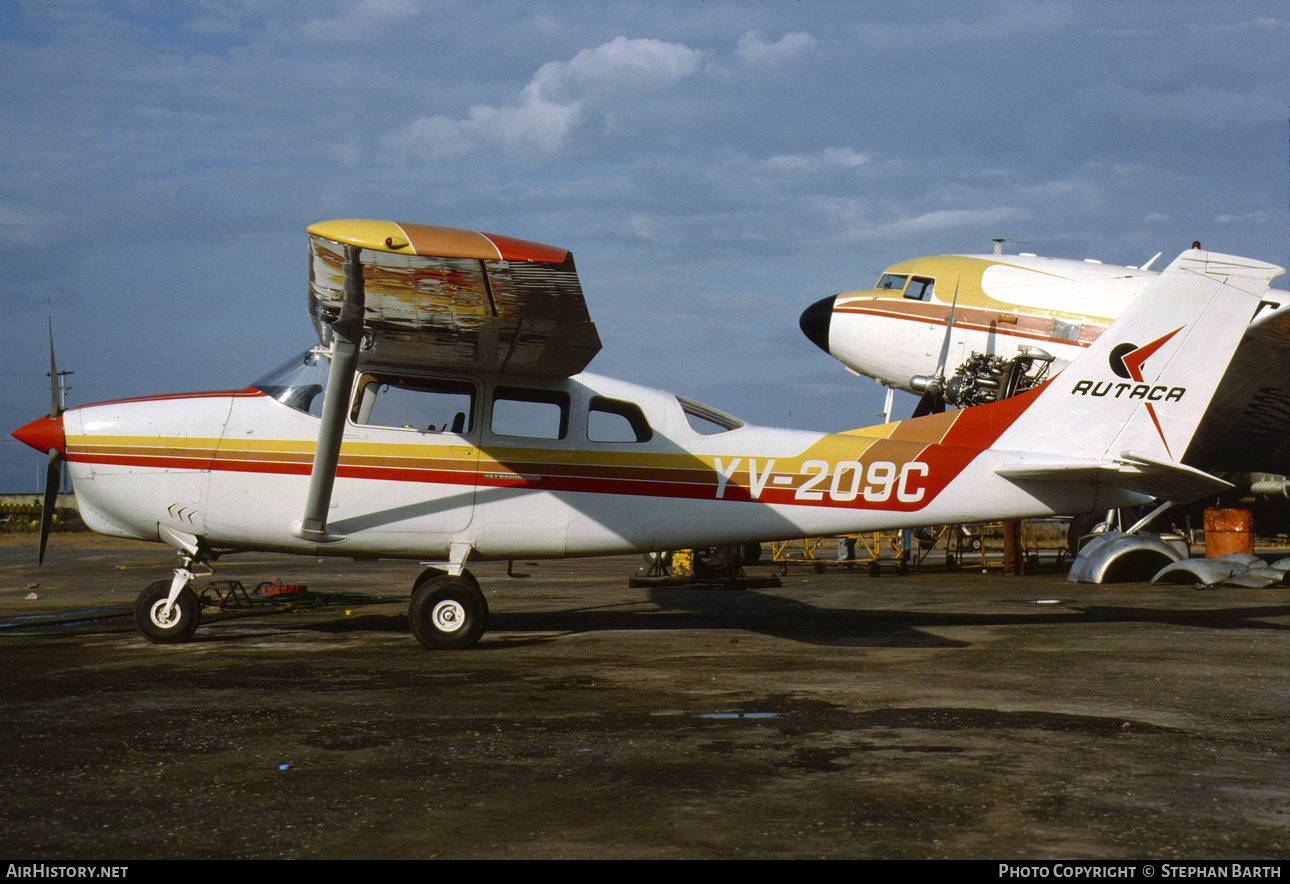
(966, 329)
(456, 423)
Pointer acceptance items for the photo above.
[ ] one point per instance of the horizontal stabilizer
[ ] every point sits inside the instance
(1132, 471)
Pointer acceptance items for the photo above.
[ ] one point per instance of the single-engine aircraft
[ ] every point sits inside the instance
(966, 329)
(446, 416)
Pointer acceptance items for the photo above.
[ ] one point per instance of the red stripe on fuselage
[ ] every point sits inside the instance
(245, 392)
(965, 320)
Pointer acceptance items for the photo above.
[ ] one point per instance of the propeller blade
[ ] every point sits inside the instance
(53, 478)
(55, 401)
(945, 342)
(931, 402)
(933, 399)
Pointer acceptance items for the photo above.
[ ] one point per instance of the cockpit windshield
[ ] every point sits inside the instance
(298, 382)
(919, 287)
(707, 420)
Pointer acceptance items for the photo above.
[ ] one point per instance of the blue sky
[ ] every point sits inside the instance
(715, 167)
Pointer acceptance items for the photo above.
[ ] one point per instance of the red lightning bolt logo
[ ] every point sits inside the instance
(1132, 362)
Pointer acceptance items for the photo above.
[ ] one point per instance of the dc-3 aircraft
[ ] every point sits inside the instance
(967, 329)
(457, 423)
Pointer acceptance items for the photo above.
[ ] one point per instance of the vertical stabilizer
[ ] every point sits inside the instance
(1145, 383)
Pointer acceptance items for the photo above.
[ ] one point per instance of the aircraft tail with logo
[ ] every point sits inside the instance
(1124, 412)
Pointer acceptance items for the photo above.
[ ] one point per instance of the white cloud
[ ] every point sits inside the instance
(368, 15)
(28, 225)
(1260, 217)
(945, 220)
(755, 50)
(618, 69)
(641, 226)
(1197, 104)
(829, 158)
(538, 120)
(1259, 23)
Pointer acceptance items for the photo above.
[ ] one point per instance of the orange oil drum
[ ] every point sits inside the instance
(1228, 531)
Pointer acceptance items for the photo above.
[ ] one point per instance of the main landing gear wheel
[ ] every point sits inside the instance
(155, 625)
(447, 613)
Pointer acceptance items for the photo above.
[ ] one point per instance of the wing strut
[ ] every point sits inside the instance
(346, 336)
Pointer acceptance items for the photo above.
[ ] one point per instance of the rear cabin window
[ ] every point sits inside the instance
(537, 414)
(611, 420)
(426, 405)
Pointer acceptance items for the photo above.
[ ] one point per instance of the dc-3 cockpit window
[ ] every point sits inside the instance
(916, 288)
(707, 420)
(299, 382)
(428, 405)
(920, 288)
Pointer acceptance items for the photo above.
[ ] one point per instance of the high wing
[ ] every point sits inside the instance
(454, 299)
(418, 295)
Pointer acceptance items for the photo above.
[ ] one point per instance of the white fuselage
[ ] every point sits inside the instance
(999, 304)
(233, 468)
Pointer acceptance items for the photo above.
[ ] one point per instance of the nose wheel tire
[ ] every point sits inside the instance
(159, 627)
(447, 613)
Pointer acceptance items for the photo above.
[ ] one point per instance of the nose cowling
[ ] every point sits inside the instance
(815, 322)
(43, 434)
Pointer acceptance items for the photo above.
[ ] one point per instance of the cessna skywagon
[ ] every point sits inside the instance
(966, 329)
(446, 417)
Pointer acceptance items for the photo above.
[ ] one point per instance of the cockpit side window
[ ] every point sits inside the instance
(920, 288)
(892, 281)
(611, 420)
(428, 405)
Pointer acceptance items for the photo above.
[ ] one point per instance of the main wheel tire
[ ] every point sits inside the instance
(185, 614)
(447, 613)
